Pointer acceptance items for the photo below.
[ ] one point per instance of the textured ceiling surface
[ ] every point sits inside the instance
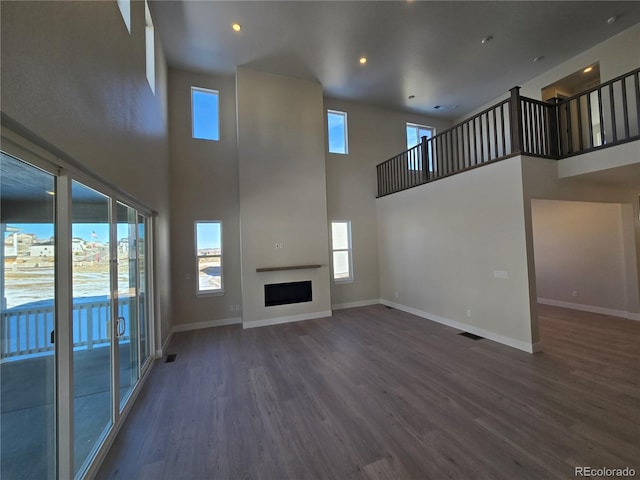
(432, 50)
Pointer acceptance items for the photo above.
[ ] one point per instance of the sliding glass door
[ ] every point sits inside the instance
(127, 299)
(27, 319)
(92, 320)
(75, 324)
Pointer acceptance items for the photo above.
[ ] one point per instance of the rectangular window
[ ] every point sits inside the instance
(341, 251)
(205, 114)
(209, 256)
(337, 128)
(150, 45)
(125, 10)
(415, 133)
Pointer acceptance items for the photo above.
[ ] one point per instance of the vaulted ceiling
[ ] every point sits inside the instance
(430, 50)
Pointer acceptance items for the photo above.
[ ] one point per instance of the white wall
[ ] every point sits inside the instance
(282, 191)
(204, 186)
(541, 182)
(375, 135)
(440, 244)
(74, 76)
(579, 247)
(617, 55)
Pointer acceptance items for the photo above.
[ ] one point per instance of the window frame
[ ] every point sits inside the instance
(349, 251)
(207, 292)
(150, 47)
(418, 127)
(193, 118)
(345, 132)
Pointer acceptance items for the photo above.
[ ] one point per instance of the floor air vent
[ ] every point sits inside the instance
(171, 358)
(471, 336)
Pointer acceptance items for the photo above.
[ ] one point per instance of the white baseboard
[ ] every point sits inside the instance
(510, 342)
(288, 319)
(590, 308)
(362, 303)
(537, 347)
(184, 327)
(160, 353)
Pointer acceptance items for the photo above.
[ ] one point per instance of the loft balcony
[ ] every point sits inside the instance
(601, 117)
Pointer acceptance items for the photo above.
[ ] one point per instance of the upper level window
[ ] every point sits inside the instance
(205, 114)
(337, 128)
(125, 10)
(209, 256)
(150, 45)
(341, 251)
(415, 133)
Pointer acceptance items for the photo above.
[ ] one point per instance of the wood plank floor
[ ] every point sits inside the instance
(376, 393)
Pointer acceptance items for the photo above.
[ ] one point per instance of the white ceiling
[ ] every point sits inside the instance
(432, 50)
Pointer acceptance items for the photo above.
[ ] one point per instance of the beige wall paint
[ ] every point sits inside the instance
(282, 190)
(541, 182)
(617, 55)
(375, 134)
(579, 247)
(440, 244)
(204, 186)
(74, 76)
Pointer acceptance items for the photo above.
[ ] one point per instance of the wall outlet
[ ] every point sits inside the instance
(396, 295)
(279, 245)
(500, 274)
(231, 308)
(237, 308)
(468, 313)
(575, 293)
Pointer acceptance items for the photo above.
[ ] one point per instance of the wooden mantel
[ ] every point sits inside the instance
(289, 267)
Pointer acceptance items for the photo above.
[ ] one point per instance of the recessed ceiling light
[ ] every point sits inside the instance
(487, 39)
(411, 97)
(538, 58)
(363, 60)
(610, 20)
(236, 27)
(587, 70)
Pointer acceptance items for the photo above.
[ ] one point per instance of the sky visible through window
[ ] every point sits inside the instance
(415, 134)
(205, 115)
(337, 132)
(208, 235)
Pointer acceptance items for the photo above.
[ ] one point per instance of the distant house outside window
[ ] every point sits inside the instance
(205, 114)
(415, 133)
(337, 128)
(208, 236)
(341, 251)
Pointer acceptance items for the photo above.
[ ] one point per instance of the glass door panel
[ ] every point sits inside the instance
(27, 318)
(142, 289)
(91, 321)
(127, 320)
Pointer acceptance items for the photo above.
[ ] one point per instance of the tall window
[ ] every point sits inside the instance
(150, 46)
(209, 256)
(205, 114)
(341, 251)
(125, 10)
(337, 128)
(415, 133)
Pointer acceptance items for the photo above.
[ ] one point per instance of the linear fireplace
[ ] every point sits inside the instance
(285, 293)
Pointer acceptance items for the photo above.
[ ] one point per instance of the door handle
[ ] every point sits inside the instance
(122, 323)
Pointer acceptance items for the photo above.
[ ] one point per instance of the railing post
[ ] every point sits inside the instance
(515, 114)
(425, 158)
(554, 127)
